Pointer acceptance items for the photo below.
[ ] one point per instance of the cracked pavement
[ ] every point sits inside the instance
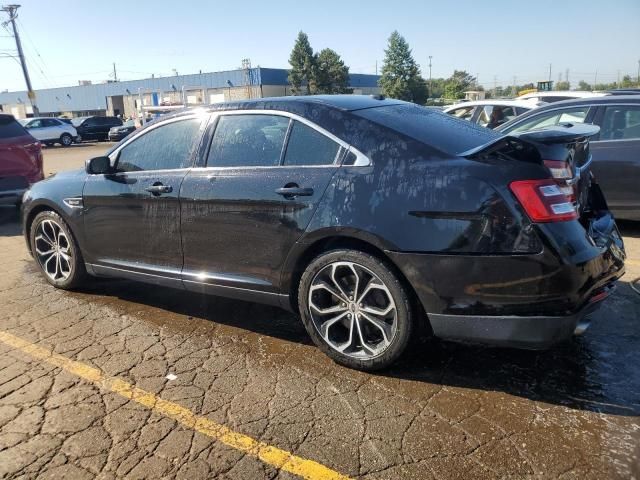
(444, 411)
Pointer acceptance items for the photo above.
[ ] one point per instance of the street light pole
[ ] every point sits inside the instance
(11, 10)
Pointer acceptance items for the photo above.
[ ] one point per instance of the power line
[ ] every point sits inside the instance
(11, 10)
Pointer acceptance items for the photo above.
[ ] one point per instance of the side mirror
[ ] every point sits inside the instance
(99, 165)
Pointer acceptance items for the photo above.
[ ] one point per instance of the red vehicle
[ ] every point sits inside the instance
(20, 160)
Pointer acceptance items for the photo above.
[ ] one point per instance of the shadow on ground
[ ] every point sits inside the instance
(596, 372)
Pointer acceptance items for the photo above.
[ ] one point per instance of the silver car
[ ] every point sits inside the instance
(51, 130)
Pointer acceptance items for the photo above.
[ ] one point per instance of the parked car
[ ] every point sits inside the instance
(490, 113)
(118, 133)
(20, 160)
(558, 95)
(50, 130)
(616, 150)
(367, 216)
(95, 128)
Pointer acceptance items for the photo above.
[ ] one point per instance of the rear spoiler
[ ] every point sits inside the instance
(521, 145)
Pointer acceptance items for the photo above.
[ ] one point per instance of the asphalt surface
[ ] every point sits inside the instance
(84, 393)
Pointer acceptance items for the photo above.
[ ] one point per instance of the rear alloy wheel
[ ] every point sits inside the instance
(56, 251)
(355, 309)
(66, 140)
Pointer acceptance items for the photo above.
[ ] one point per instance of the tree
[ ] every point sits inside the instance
(457, 84)
(584, 85)
(303, 70)
(563, 86)
(332, 75)
(400, 73)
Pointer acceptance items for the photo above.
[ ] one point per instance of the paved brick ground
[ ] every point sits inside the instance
(446, 411)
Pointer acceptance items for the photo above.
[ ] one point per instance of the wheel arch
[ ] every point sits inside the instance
(306, 252)
(30, 215)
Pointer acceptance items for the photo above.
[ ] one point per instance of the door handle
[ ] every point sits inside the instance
(159, 189)
(292, 192)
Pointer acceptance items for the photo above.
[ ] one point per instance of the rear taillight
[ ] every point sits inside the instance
(561, 172)
(544, 200)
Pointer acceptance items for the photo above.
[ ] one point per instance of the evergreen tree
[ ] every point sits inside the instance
(303, 69)
(400, 73)
(332, 75)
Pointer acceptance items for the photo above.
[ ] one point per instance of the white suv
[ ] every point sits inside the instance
(51, 130)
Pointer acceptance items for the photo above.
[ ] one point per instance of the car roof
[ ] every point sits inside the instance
(346, 102)
(562, 93)
(504, 102)
(605, 100)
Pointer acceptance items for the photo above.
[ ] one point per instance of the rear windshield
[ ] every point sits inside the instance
(10, 128)
(430, 126)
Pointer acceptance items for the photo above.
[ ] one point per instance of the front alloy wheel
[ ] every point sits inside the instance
(56, 251)
(53, 250)
(355, 309)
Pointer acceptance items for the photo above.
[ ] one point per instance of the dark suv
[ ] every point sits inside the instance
(369, 217)
(95, 128)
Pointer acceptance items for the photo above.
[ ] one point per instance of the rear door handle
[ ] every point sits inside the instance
(158, 189)
(292, 192)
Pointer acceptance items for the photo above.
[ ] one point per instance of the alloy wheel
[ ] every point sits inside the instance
(53, 250)
(353, 310)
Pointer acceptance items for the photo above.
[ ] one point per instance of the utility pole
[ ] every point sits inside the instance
(549, 72)
(639, 73)
(595, 80)
(11, 10)
(514, 93)
(115, 75)
(376, 67)
(431, 83)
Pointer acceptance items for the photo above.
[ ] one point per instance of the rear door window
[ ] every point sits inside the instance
(493, 115)
(10, 128)
(621, 122)
(308, 146)
(464, 113)
(251, 140)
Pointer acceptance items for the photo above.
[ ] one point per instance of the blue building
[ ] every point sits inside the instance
(127, 97)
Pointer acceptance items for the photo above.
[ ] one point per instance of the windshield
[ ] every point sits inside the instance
(24, 121)
(129, 123)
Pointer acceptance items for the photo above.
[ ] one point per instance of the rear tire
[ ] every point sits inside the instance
(355, 309)
(66, 140)
(56, 251)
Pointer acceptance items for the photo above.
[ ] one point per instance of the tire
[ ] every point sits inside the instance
(350, 337)
(66, 140)
(47, 230)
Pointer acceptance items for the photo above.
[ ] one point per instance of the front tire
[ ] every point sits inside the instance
(66, 140)
(355, 309)
(56, 251)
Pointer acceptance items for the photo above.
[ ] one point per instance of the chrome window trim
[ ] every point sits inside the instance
(361, 159)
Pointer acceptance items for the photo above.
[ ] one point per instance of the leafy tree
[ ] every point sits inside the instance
(400, 73)
(332, 75)
(457, 84)
(303, 69)
(583, 85)
(563, 86)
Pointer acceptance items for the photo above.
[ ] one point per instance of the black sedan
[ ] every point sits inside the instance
(616, 149)
(372, 218)
(119, 132)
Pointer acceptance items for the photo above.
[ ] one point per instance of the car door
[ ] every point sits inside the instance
(37, 129)
(256, 193)
(53, 129)
(616, 158)
(132, 216)
(90, 129)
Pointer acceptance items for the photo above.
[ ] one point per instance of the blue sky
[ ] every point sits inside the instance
(67, 41)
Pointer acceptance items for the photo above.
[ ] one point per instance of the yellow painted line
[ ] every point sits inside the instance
(278, 458)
